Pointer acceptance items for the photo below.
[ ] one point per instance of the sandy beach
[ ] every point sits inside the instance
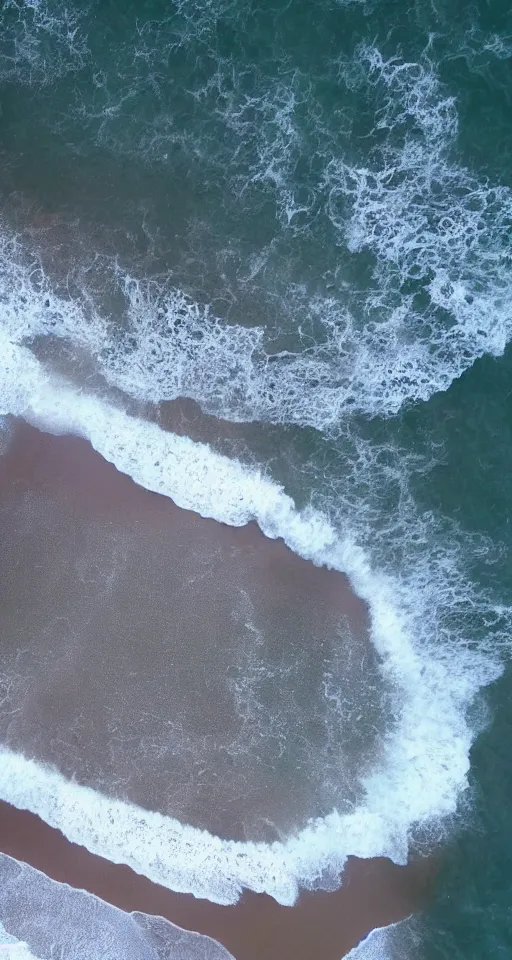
(322, 926)
(206, 671)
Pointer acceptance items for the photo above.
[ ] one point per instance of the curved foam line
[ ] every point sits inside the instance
(58, 912)
(424, 762)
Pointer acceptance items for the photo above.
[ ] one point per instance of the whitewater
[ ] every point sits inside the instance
(409, 285)
(82, 926)
(179, 348)
(425, 761)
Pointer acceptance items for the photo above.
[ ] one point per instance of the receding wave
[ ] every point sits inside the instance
(42, 919)
(416, 275)
(286, 237)
(425, 760)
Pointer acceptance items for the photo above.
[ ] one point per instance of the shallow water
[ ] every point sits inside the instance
(299, 219)
(206, 674)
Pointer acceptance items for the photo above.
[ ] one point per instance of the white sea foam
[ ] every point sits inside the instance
(41, 41)
(13, 949)
(441, 288)
(425, 760)
(398, 941)
(442, 284)
(441, 299)
(432, 226)
(172, 346)
(44, 919)
(440, 295)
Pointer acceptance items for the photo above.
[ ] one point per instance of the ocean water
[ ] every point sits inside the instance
(297, 219)
(41, 918)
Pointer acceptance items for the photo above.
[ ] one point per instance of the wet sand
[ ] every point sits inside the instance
(35, 459)
(182, 660)
(321, 926)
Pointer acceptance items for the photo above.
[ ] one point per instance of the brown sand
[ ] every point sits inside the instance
(113, 595)
(37, 459)
(322, 926)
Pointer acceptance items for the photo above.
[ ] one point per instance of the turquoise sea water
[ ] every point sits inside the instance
(299, 216)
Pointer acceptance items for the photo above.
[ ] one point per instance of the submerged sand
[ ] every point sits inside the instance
(321, 926)
(190, 667)
(93, 567)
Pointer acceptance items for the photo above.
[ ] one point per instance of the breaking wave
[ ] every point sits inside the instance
(62, 921)
(425, 759)
(376, 271)
(415, 274)
(40, 43)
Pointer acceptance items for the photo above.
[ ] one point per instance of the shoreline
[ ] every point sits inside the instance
(321, 926)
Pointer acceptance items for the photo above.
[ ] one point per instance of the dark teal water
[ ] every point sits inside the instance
(300, 217)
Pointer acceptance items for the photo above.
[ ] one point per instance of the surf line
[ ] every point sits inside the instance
(321, 926)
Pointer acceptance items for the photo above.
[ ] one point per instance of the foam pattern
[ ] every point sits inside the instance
(438, 234)
(425, 760)
(44, 919)
(439, 292)
(428, 242)
(436, 296)
(13, 949)
(398, 941)
(41, 41)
